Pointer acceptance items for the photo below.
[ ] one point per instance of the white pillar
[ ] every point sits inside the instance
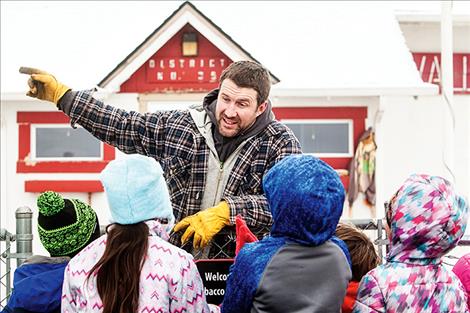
(3, 164)
(447, 87)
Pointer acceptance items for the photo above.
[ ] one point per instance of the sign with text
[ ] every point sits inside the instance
(185, 69)
(214, 275)
(429, 66)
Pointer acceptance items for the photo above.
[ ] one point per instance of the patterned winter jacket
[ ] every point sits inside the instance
(169, 281)
(175, 141)
(427, 221)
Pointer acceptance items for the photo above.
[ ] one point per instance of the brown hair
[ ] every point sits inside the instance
(388, 208)
(248, 74)
(126, 246)
(362, 251)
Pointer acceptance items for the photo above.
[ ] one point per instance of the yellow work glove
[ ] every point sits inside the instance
(204, 225)
(43, 85)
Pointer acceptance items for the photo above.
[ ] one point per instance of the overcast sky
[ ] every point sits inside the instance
(84, 40)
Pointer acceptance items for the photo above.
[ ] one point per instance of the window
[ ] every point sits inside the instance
(336, 130)
(323, 138)
(58, 141)
(48, 144)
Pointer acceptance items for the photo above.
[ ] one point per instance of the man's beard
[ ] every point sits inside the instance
(232, 132)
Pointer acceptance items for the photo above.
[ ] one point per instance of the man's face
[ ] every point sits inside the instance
(236, 109)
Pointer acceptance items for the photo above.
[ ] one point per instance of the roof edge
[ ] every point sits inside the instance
(275, 78)
(425, 89)
(109, 76)
(412, 17)
(124, 61)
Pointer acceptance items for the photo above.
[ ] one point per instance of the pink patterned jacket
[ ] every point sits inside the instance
(169, 281)
(428, 219)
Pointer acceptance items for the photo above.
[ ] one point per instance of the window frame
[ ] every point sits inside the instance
(34, 156)
(349, 122)
(357, 113)
(26, 164)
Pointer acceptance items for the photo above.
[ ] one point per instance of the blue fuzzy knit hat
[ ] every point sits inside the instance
(136, 190)
(306, 199)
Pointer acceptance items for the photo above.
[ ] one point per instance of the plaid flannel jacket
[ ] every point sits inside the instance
(172, 138)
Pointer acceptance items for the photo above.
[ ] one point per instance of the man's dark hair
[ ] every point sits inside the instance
(248, 74)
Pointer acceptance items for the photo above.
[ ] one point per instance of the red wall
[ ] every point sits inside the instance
(197, 78)
(429, 65)
(356, 114)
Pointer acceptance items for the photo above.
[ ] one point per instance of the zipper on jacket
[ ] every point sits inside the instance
(219, 177)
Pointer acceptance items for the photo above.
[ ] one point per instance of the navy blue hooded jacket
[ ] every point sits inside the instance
(37, 287)
(300, 267)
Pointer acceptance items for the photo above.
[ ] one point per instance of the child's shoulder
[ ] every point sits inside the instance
(159, 248)
(261, 247)
(390, 273)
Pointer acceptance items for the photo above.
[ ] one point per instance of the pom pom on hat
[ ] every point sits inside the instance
(243, 234)
(136, 190)
(50, 203)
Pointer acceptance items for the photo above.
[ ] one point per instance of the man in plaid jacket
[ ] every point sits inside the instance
(214, 156)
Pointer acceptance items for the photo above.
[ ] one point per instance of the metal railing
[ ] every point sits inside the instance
(5, 280)
(24, 249)
(223, 245)
(381, 240)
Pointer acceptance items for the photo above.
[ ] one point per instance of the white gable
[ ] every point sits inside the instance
(186, 14)
(308, 45)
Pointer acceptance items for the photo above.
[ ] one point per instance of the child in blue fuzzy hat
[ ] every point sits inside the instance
(132, 268)
(301, 266)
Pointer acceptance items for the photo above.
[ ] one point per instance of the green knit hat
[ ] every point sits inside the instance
(65, 226)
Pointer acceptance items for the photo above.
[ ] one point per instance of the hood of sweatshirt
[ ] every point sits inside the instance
(428, 219)
(306, 198)
(38, 286)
